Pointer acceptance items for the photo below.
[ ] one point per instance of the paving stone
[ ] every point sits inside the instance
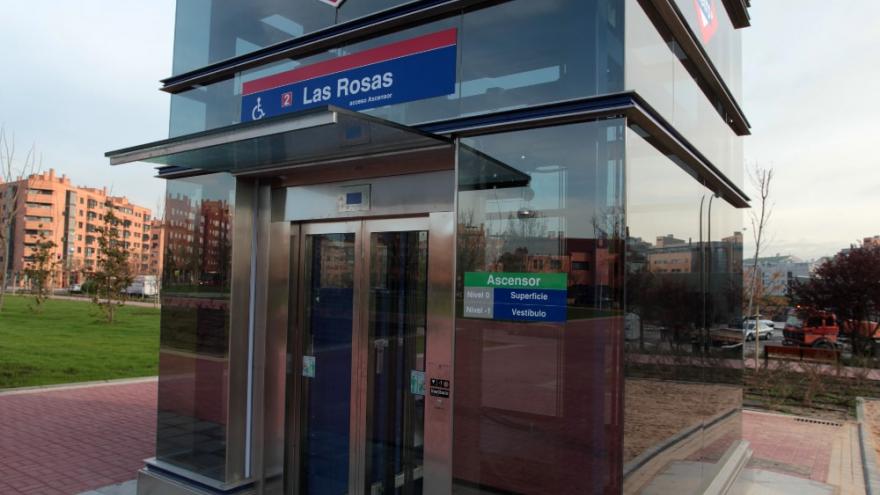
(821, 451)
(76, 439)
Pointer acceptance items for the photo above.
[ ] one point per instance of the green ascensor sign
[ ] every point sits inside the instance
(508, 280)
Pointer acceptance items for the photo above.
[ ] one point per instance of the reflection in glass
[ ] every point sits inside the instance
(538, 403)
(326, 367)
(208, 31)
(193, 359)
(722, 42)
(396, 377)
(665, 79)
(683, 276)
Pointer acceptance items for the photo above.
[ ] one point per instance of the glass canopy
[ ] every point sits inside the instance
(311, 136)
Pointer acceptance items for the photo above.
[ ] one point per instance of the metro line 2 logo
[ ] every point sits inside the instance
(333, 3)
(706, 18)
(287, 99)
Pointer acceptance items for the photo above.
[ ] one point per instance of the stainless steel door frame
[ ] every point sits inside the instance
(437, 473)
(439, 347)
(293, 382)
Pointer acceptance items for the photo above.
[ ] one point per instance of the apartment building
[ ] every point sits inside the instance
(50, 207)
(778, 272)
(156, 247)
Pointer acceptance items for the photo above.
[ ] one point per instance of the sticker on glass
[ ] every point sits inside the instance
(309, 366)
(417, 382)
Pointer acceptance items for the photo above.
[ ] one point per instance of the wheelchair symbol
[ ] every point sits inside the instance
(257, 113)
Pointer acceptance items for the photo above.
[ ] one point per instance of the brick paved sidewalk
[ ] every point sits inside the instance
(823, 451)
(71, 439)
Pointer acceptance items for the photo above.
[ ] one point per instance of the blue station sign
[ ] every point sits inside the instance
(516, 296)
(409, 70)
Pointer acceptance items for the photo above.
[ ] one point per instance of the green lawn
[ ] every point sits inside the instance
(70, 342)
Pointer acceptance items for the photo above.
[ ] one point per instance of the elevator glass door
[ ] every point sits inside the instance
(328, 324)
(397, 320)
(363, 321)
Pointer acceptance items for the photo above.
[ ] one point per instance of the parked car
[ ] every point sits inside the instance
(764, 329)
(75, 289)
(779, 321)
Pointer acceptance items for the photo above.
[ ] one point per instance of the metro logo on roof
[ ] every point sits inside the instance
(706, 18)
(333, 3)
(409, 70)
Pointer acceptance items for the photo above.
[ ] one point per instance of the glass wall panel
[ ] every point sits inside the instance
(708, 19)
(208, 31)
(657, 74)
(650, 65)
(194, 352)
(539, 311)
(696, 119)
(522, 53)
(359, 8)
(683, 275)
(723, 366)
(561, 49)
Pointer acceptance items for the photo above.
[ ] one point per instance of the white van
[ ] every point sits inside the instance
(143, 286)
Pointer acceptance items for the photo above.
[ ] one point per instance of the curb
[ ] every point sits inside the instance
(869, 455)
(73, 386)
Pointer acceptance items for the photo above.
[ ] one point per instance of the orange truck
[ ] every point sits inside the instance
(822, 329)
(866, 329)
(817, 329)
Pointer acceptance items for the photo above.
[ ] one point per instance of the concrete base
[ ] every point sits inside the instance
(679, 477)
(154, 482)
(871, 470)
(127, 488)
(700, 477)
(756, 482)
(728, 469)
(684, 478)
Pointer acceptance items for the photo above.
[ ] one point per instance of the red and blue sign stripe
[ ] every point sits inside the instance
(409, 70)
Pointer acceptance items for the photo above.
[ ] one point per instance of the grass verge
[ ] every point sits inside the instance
(69, 341)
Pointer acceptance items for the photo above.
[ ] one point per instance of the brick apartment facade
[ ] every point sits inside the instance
(199, 240)
(69, 216)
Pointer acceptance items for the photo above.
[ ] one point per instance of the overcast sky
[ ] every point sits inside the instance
(811, 70)
(80, 78)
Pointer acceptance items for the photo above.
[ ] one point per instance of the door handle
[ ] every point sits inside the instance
(379, 346)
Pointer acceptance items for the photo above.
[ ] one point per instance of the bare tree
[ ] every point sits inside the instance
(759, 217)
(13, 173)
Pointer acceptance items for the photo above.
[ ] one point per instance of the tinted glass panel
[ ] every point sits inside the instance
(659, 76)
(193, 359)
(562, 49)
(709, 21)
(537, 369)
(207, 31)
(683, 291)
(352, 9)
